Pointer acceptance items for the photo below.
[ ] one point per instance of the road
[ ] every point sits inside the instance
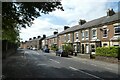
(37, 64)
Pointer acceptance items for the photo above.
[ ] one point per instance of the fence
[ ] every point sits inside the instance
(8, 48)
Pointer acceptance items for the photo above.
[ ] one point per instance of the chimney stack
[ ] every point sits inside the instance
(39, 36)
(34, 37)
(110, 12)
(66, 27)
(81, 22)
(30, 38)
(44, 36)
(55, 33)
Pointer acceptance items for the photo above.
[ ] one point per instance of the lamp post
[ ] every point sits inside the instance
(54, 29)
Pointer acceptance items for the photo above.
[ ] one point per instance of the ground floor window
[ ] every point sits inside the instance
(92, 48)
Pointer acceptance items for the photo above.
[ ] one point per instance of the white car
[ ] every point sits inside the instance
(34, 48)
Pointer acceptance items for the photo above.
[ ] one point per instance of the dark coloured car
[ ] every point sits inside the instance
(46, 50)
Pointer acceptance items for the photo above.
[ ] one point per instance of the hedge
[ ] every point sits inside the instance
(108, 51)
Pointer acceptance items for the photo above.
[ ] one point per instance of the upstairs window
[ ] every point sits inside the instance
(76, 35)
(105, 34)
(65, 38)
(68, 36)
(94, 33)
(117, 30)
(86, 34)
(82, 35)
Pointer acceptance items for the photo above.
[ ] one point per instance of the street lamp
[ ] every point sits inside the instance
(54, 29)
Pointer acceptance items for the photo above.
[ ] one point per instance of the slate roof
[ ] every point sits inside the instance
(52, 36)
(93, 23)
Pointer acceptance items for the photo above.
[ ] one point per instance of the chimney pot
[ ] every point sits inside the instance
(81, 22)
(110, 12)
(66, 27)
(55, 33)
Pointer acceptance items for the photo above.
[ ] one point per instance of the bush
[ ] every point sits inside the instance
(54, 47)
(108, 51)
(67, 49)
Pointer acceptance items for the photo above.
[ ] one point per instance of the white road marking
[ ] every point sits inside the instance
(108, 68)
(73, 68)
(84, 62)
(41, 64)
(54, 61)
(93, 64)
(85, 73)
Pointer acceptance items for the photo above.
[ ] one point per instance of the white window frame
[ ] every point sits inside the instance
(69, 36)
(116, 26)
(83, 35)
(105, 34)
(95, 33)
(64, 37)
(87, 36)
(76, 35)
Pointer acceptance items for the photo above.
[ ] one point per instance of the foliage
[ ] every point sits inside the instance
(67, 48)
(108, 51)
(54, 47)
(21, 14)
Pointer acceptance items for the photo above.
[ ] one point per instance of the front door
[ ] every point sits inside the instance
(82, 48)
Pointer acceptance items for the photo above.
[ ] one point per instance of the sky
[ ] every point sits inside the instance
(74, 10)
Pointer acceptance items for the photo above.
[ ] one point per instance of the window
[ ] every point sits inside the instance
(76, 35)
(105, 32)
(117, 29)
(93, 33)
(68, 36)
(65, 38)
(86, 33)
(105, 44)
(82, 35)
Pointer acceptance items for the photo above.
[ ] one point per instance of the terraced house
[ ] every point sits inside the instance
(86, 36)
(50, 40)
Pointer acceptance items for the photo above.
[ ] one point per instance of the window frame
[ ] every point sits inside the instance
(69, 36)
(86, 35)
(83, 35)
(77, 35)
(116, 26)
(95, 33)
(106, 33)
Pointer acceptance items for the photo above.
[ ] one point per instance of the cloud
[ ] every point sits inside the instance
(74, 11)
(39, 28)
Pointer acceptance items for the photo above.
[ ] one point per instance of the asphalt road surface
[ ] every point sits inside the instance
(29, 64)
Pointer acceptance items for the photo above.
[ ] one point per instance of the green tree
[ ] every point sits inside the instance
(21, 14)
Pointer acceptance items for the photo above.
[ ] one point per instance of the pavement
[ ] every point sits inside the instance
(29, 64)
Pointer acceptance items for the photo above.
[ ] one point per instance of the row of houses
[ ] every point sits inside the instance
(87, 36)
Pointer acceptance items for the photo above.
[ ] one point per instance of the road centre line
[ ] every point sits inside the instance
(93, 64)
(54, 60)
(85, 73)
(108, 68)
(73, 68)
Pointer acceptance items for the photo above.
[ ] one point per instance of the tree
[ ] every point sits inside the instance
(21, 14)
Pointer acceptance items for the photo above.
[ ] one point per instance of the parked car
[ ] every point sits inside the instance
(34, 48)
(46, 50)
(59, 52)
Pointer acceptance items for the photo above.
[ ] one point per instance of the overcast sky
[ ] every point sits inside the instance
(74, 10)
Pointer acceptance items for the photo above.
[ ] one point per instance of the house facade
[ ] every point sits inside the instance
(33, 43)
(86, 37)
(50, 40)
